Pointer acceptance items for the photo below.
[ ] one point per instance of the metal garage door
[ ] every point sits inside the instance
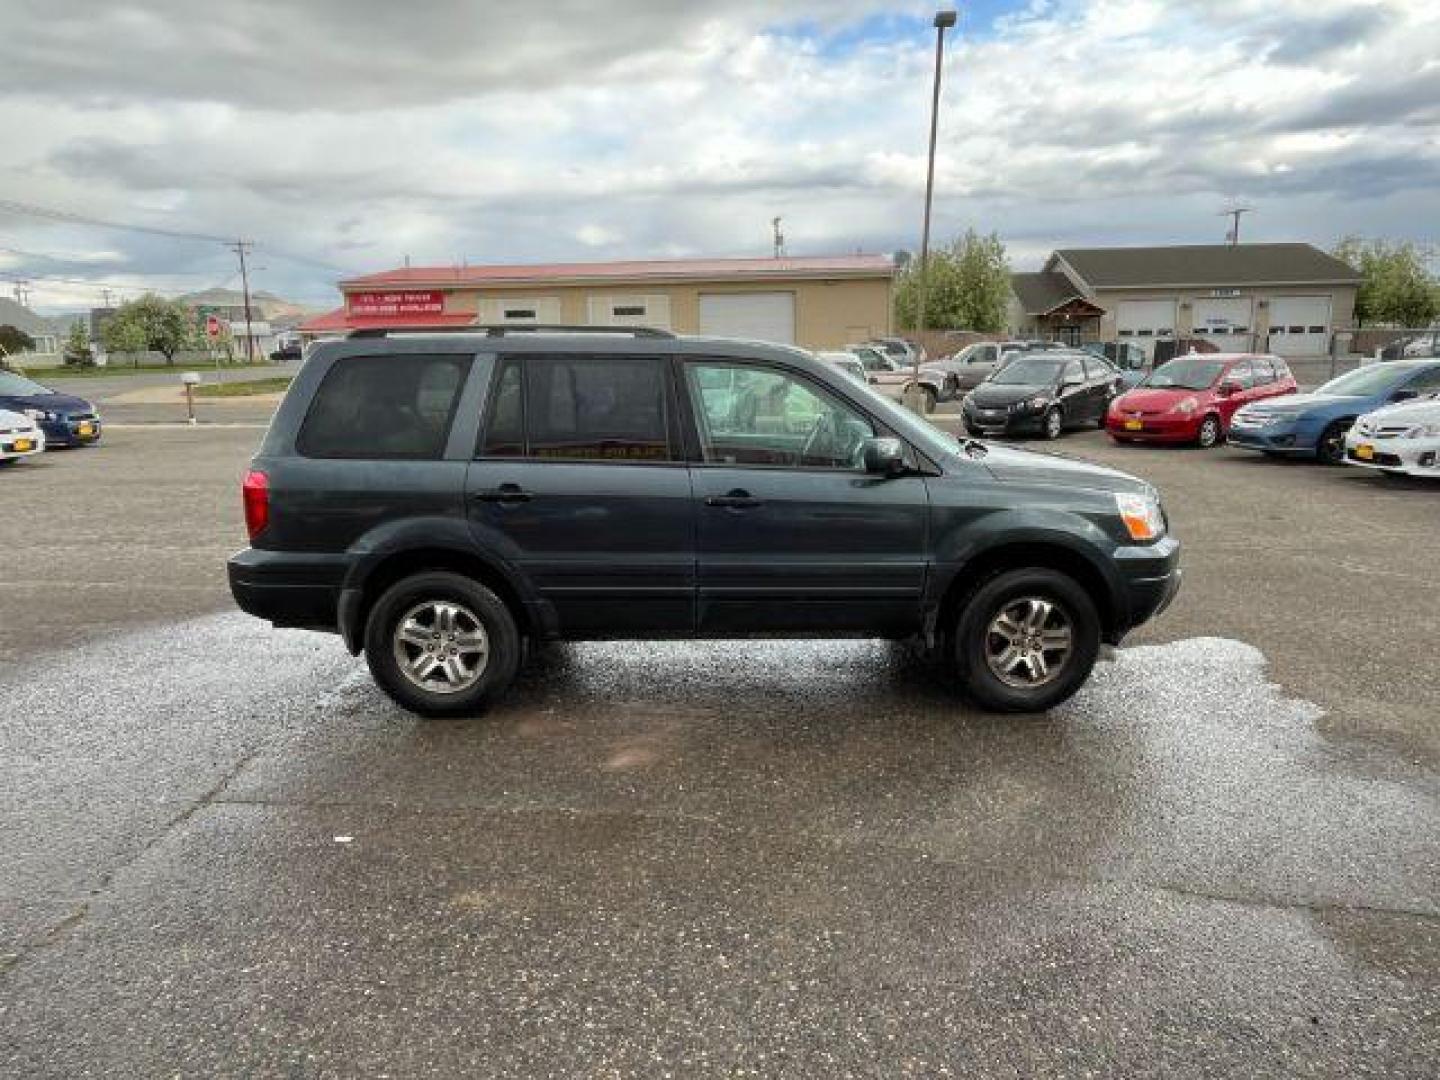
(1144, 321)
(759, 316)
(1300, 325)
(1225, 323)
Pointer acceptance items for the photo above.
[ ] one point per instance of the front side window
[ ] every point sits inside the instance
(758, 416)
(380, 407)
(1241, 374)
(596, 408)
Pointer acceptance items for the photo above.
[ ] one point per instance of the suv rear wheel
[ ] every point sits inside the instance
(441, 644)
(1026, 640)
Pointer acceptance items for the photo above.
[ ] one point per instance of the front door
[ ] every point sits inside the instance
(793, 536)
(580, 483)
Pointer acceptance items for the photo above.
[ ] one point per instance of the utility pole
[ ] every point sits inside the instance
(1235, 214)
(240, 247)
(943, 21)
(22, 293)
(105, 295)
(779, 238)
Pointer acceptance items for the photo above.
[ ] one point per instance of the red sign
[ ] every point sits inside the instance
(392, 304)
(212, 326)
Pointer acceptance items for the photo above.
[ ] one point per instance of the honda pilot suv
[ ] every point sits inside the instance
(437, 499)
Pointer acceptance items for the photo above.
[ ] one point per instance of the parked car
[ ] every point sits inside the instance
(1192, 399)
(847, 362)
(1042, 394)
(438, 499)
(1314, 425)
(1398, 440)
(20, 437)
(1132, 360)
(904, 353)
(290, 351)
(65, 420)
(1423, 346)
(881, 369)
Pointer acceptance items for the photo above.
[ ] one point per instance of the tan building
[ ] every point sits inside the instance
(1287, 299)
(814, 302)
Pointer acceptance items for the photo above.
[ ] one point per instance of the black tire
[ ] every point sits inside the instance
(1212, 432)
(1122, 440)
(1053, 424)
(972, 639)
(1330, 450)
(505, 644)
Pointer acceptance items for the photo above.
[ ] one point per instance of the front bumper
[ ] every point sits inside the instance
(1002, 420)
(71, 431)
(1273, 438)
(1413, 457)
(21, 444)
(289, 588)
(1151, 577)
(1160, 429)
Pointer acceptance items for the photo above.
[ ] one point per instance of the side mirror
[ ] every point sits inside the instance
(1228, 389)
(884, 456)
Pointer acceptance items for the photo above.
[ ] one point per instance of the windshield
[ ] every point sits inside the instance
(1029, 371)
(19, 386)
(1363, 382)
(1186, 374)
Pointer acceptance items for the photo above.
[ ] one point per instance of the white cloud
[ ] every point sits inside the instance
(356, 133)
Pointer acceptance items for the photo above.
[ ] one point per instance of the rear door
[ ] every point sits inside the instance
(793, 535)
(579, 481)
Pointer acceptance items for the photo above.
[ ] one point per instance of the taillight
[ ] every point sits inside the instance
(256, 493)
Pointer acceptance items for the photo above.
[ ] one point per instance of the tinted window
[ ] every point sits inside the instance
(505, 427)
(596, 408)
(1426, 382)
(757, 416)
(384, 407)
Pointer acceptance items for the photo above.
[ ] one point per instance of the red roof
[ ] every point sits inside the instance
(803, 266)
(340, 319)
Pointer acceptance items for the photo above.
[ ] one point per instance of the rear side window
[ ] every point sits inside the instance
(580, 408)
(384, 407)
(1264, 373)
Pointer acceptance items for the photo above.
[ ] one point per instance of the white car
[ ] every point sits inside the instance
(847, 362)
(19, 437)
(1398, 439)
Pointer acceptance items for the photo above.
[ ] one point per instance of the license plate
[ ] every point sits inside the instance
(1133, 425)
(21, 445)
(1365, 452)
(85, 429)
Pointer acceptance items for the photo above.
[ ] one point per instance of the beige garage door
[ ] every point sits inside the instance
(757, 316)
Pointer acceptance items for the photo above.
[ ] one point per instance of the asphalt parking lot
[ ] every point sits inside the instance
(224, 852)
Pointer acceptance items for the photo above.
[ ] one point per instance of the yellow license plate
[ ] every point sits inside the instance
(21, 445)
(1365, 452)
(1133, 425)
(85, 429)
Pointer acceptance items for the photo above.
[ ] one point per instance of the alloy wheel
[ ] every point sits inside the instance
(441, 646)
(1209, 431)
(1029, 642)
(1053, 424)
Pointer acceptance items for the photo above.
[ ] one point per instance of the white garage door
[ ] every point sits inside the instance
(1225, 322)
(1300, 325)
(759, 316)
(1145, 320)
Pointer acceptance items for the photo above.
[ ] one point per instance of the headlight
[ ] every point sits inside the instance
(1186, 406)
(37, 414)
(1037, 403)
(1423, 431)
(1141, 515)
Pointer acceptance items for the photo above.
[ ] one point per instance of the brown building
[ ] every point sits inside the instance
(1282, 298)
(815, 302)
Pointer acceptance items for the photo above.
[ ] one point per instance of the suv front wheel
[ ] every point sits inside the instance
(1026, 640)
(441, 644)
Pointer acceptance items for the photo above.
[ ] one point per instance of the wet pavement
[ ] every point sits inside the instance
(223, 852)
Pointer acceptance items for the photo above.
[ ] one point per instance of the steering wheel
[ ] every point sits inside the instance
(823, 425)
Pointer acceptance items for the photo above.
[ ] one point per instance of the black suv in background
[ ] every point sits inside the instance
(439, 498)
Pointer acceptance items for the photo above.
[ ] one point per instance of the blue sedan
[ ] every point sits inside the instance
(65, 420)
(1314, 425)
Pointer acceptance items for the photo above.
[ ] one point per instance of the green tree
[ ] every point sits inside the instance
(150, 323)
(78, 352)
(1396, 287)
(967, 286)
(15, 340)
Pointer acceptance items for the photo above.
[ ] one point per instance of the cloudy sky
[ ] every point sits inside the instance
(344, 135)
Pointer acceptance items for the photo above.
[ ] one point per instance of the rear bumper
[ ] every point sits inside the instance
(1150, 577)
(289, 588)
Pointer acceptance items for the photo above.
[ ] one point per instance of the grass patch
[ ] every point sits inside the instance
(251, 388)
(110, 371)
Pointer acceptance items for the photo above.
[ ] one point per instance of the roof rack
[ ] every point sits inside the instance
(502, 331)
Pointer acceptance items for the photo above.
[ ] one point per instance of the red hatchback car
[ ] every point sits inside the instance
(1192, 398)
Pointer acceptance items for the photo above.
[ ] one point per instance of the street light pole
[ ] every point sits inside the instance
(943, 21)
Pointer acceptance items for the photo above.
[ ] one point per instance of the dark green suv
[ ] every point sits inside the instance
(437, 499)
